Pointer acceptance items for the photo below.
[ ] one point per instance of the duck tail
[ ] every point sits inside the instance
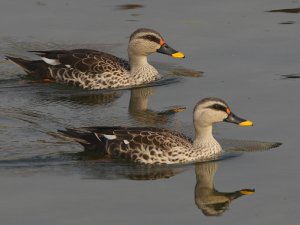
(88, 140)
(37, 68)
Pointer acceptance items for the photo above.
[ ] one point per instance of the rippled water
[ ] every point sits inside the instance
(248, 56)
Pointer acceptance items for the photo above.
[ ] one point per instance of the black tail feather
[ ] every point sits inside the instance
(37, 68)
(87, 139)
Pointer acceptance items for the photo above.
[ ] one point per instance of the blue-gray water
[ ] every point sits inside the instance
(243, 51)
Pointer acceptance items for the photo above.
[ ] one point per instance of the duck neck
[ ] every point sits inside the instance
(140, 70)
(204, 139)
(137, 61)
(203, 135)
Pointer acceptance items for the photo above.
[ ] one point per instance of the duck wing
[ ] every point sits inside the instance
(83, 60)
(157, 138)
(125, 142)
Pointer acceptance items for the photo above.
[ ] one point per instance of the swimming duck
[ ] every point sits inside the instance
(151, 145)
(91, 69)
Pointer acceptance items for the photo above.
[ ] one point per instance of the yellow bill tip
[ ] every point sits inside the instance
(246, 123)
(178, 55)
(247, 191)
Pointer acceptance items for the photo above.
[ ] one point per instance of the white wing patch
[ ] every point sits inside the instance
(109, 137)
(52, 62)
(68, 66)
(97, 137)
(126, 142)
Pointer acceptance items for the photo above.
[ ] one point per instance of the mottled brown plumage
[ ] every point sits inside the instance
(141, 145)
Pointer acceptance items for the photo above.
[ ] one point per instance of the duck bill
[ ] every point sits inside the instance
(166, 49)
(237, 120)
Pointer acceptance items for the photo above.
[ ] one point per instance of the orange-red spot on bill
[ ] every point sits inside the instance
(228, 110)
(162, 41)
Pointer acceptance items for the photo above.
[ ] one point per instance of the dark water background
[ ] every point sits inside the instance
(243, 51)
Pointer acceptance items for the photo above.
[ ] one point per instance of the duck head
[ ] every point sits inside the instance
(212, 110)
(144, 42)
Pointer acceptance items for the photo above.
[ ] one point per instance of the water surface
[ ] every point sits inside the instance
(243, 51)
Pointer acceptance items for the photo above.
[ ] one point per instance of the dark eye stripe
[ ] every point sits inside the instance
(151, 38)
(218, 107)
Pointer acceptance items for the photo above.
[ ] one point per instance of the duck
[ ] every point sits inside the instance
(153, 145)
(92, 69)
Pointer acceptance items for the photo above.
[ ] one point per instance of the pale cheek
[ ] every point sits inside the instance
(214, 117)
(153, 46)
(203, 119)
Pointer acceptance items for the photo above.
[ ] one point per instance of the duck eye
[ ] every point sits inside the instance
(151, 38)
(218, 107)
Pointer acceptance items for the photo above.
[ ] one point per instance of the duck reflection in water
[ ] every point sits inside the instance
(138, 104)
(138, 108)
(92, 98)
(114, 171)
(211, 201)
